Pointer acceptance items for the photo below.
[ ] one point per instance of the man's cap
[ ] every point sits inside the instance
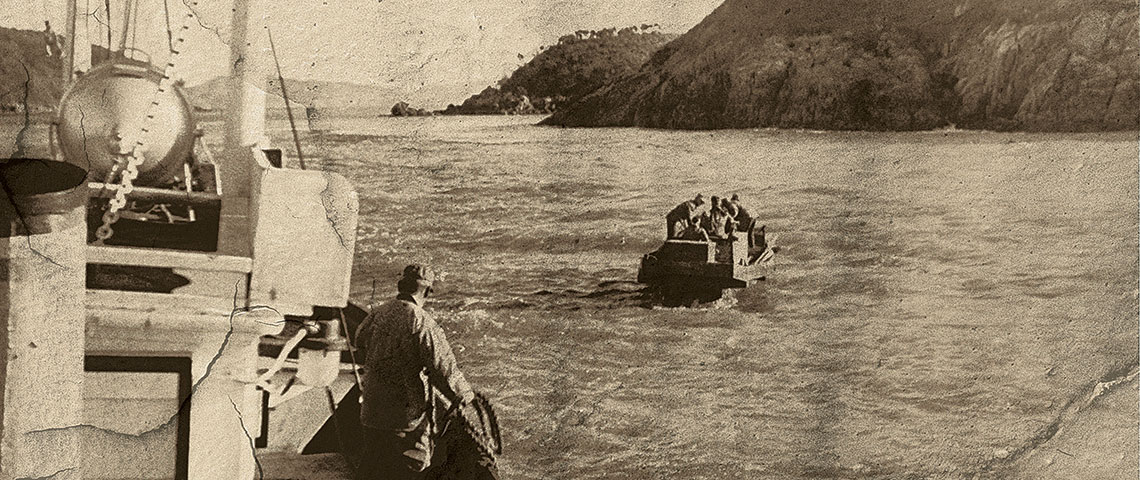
(735, 197)
(419, 274)
(699, 198)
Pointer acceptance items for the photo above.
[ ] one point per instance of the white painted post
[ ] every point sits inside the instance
(245, 125)
(43, 235)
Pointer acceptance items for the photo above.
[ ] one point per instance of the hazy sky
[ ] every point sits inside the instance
(428, 51)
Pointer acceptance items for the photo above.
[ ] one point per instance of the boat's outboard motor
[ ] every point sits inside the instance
(104, 111)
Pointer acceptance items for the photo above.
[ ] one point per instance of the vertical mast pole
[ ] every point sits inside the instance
(68, 51)
(244, 126)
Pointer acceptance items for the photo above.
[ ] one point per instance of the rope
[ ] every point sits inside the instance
(263, 380)
(486, 435)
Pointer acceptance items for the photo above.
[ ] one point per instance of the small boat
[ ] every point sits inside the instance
(684, 272)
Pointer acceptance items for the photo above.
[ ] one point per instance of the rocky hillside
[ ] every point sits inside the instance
(1052, 65)
(577, 65)
(29, 71)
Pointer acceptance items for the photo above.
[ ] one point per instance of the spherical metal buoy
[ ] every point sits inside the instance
(102, 115)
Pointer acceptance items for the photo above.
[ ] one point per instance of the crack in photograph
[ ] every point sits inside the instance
(569, 239)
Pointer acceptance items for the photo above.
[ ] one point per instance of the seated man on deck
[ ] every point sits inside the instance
(681, 214)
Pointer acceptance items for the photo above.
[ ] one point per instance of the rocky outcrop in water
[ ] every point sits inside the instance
(886, 65)
(577, 65)
(492, 101)
(401, 109)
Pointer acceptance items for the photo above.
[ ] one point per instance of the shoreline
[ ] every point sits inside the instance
(950, 129)
(219, 115)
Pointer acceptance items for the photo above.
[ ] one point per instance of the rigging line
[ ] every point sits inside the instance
(134, 26)
(285, 95)
(351, 337)
(126, 27)
(86, 32)
(107, 8)
(169, 30)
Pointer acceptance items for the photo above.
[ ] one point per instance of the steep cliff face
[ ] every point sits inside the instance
(1076, 73)
(811, 81)
(886, 65)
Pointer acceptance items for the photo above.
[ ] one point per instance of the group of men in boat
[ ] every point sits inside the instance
(724, 216)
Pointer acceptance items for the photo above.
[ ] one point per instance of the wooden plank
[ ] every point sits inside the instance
(209, 283)
(155, 257)
(145, 324)
(164, 302)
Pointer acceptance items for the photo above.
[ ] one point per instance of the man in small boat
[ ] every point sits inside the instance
(706, 216)
(743, 216)
(407, 359)
(681, 214)
(694, 231)
(720, 222)
(728, 206)
(743, 219)
(730, 223)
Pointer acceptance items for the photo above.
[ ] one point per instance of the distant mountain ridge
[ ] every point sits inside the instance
(1052, 65)
(319, 94)
(31, 50)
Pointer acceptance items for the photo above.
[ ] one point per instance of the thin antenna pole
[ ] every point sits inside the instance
(285, 95)
(69, 43)
(107, 10)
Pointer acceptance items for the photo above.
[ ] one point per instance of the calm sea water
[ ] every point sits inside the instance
(938, 299)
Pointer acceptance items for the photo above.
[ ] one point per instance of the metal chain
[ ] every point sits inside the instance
(129, 163)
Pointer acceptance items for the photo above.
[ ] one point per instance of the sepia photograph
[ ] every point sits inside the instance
(569, 239)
